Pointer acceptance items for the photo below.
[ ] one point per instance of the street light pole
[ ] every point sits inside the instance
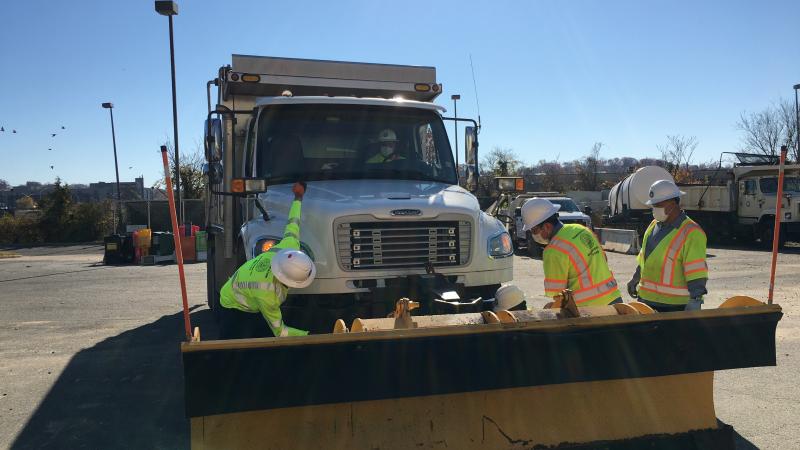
(169, 9)
(456, 98)
(797, 124)
(110, 107)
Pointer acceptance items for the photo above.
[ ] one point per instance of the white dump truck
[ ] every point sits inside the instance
(738, 202)
(378, 228)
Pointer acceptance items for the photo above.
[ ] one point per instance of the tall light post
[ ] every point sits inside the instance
(797, 123)
(456, 98)
(169, 9)
(110, 107)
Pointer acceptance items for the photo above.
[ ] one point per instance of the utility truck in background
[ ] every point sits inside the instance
(738, 202)
(377, 230)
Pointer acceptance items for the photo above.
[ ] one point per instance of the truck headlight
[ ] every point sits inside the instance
(266, 243)
(500, 245)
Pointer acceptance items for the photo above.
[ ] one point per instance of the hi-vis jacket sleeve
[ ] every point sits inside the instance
(291, 235)
(694, 256)
(556, 272)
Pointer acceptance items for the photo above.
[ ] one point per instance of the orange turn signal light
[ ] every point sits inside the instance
(422, 87)
(267, 245)
(237, 185)
(252, 78)
(519, 184)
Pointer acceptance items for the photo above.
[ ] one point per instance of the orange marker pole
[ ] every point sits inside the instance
(776, 232)
(176, 233)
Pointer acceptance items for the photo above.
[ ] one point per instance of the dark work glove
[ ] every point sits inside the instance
(694, 304)
(632, 287)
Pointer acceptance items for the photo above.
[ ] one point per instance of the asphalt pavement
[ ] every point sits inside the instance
(89, 353)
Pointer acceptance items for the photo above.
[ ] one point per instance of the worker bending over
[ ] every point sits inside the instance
(261, 284)
(572, 257)
(672, 270)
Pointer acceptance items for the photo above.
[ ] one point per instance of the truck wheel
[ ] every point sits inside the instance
(767, 232)
(534, 249)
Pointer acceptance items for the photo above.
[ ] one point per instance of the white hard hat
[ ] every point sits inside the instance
(508, 297)
(293, 268)
(536, 211)
(387, 135)
(663, 190)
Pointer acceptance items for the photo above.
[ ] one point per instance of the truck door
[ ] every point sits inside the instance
(748, 204)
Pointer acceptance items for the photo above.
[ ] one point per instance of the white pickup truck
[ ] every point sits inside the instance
(377, 227)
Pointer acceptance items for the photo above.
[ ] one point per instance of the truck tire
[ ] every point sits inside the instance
(534, 249)
(767, 232)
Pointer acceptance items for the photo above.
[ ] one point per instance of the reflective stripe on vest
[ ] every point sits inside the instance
(695, 266)
(551, 285)
(668, 270)
(664, 289)
(294, 220)
(591, 293)
(577, 259)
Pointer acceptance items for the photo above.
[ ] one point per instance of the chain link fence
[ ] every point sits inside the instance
(155, 213)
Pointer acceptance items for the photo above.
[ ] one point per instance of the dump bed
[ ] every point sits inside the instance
(264, 76)
(708, 198)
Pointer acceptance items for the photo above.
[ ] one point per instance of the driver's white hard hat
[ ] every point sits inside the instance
(663, 190)
(508, 297)
(387, 135)
(293, 268)
(536, 211)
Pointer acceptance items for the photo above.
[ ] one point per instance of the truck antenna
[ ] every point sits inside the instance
(475, 87)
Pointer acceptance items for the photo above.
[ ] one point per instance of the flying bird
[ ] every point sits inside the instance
(63, 127)
(131, 167)
(49, 149)
(51, 167)
(53, 135)
(14, 131)
(2, 129)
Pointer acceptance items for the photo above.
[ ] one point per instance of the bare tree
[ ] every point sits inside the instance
(551, 175)
(500, 162)
(4, 186)
(788, 118)
(763, 132)
(677, 155)
(193, 181)
(587, 168)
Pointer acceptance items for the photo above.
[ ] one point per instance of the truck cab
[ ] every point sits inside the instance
(757, 188)
(379, 223)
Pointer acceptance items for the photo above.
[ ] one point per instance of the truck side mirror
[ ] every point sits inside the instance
(587, 210)
(213, 140)
(471, 157)
(518, 212)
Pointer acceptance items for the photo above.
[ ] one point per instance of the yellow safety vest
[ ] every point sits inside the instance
(253, 287)
(574, 259)
(677, 259)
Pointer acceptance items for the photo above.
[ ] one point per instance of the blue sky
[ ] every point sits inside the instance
(553, 76)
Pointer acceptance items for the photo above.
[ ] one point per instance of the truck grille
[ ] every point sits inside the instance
(396, 245)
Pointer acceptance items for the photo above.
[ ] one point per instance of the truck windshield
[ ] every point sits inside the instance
(567, 205)
(770, 185)
(328, 142)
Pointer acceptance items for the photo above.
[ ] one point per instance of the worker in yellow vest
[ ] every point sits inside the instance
(672, 270)
(572, 257)
(261, 284)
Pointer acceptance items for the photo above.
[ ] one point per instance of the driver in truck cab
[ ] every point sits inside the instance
(388, 142)
(261, 284)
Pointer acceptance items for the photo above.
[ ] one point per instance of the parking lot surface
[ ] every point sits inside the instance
(89, 353)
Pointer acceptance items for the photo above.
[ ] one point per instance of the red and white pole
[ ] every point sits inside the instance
(176, 233)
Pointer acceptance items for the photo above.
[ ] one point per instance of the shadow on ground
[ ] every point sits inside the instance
(124, 392)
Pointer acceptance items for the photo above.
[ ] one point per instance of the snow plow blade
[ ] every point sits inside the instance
(522, 379)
